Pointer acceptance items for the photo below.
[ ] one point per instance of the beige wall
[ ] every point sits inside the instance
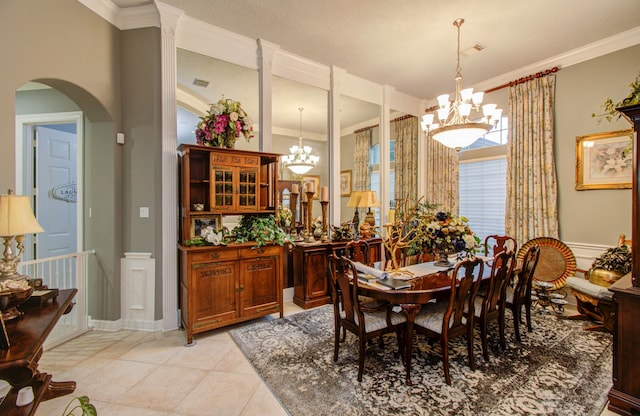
(114, 78)
(594, 216)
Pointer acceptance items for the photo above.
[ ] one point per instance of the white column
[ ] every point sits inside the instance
(385, 152)
(337, 75)
(266, 50)
(169, 17)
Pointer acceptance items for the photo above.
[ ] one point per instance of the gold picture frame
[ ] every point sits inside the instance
(316, 181)
(345, 183)
(199, 222)
(604, 160)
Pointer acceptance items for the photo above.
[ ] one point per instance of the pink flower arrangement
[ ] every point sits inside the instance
(224, 123)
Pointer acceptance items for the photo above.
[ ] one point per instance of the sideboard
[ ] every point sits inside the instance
(19, 364)
(310, 285)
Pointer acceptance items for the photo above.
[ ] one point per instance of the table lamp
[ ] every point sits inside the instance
(16, 220)
(354, 202)
(369, 200)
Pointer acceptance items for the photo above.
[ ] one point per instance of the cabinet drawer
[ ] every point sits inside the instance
(259, 252)
(214, 255)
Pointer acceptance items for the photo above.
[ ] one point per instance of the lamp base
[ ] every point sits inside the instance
(370, 218)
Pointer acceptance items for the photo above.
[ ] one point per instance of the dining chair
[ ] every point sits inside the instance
(494, 244)
(446, 320)
(518, 293)
(349, 315)
(358, 250)
(490, 304)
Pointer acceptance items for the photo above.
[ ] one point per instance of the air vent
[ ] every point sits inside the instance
(200, 83)
(478, 47)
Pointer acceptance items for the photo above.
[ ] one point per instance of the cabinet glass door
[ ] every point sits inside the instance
(248, 189)
(223, 187)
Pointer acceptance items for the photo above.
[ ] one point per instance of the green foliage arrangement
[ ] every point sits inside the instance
(263, 229)
(609, 107)
(80, 404)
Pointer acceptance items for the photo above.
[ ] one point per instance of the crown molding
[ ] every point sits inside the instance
(589, 51)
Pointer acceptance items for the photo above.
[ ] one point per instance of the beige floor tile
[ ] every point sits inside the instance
(163, 389)
(234, 361)
(204, 355)
(220, 394)
(263, 403)
(154, 351)
(119, 376)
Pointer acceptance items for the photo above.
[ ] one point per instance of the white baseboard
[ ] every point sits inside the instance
(134, 325)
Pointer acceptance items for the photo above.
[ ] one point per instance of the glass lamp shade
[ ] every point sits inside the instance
(299, 169)
(458, 136)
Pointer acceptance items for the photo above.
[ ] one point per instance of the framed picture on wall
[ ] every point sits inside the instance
(345, 183)
(316, 181)
(604, 160)
(200, 222)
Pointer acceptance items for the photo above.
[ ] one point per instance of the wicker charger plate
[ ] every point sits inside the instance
(556, 263)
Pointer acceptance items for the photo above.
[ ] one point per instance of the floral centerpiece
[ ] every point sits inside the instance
(444, 234)
(224, 123)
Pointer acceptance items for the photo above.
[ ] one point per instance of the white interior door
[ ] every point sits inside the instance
(56, 189)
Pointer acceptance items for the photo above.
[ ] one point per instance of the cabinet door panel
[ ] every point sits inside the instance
(248, 189)
(215, 291)
(259, 283)
(223, 183)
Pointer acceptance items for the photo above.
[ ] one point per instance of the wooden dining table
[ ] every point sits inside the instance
(428, 283)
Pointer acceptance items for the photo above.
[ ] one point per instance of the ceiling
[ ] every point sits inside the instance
(411, 44)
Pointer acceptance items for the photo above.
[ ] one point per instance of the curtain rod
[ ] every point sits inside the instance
(510, 84)
(376, 125)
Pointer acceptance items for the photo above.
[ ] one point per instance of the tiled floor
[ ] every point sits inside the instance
(128, 373)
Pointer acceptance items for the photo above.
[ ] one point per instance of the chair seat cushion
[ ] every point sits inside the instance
(374, 321)
(586, 287)
(432, 315)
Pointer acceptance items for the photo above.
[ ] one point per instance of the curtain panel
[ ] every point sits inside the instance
(361, 160)
(532, 189)
(442, 179)
(405, 131)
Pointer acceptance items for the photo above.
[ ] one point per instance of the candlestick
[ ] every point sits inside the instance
(310, 187)
(295, 188)
(305, 208)
(293, 205)
(324, 204)
(392, 216)
(324, 194)
(309, 237)
(304, 198)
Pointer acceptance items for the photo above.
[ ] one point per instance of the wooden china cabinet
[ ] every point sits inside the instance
(225, 284)
(624, 396)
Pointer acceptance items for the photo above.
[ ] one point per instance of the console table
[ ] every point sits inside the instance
(310, 284)
(19, 364)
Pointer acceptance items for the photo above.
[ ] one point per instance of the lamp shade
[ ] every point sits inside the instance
(16, 216)
(354, 200)
(369, 199)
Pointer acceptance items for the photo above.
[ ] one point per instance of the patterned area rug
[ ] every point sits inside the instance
(558, 369)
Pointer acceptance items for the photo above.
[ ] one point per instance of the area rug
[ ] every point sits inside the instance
(558, 369)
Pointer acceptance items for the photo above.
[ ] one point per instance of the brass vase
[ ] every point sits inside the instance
(604, 277)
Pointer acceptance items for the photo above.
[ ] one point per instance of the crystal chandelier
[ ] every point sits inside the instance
(300, 161)
(454, 129)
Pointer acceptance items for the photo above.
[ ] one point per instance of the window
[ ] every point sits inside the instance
(374, 166)
(498, 135)
(483, 184)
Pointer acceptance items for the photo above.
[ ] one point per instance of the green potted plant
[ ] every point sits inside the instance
(80, 404)
(610, 113)
(610, 266)
(263, 229)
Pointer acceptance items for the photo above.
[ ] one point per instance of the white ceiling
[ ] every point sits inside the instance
(411, 44)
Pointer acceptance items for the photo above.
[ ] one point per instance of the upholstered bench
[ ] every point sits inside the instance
(593, 301)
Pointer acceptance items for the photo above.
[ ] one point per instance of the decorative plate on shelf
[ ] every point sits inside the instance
(556, 263)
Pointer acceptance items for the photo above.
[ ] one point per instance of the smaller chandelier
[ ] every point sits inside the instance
(300, 161)
(455, 129)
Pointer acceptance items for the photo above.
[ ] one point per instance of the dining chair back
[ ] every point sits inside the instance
(518, 294)
(490, 304)
(350, 316)
(494, 244)
(446, 320)
(358, 250)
